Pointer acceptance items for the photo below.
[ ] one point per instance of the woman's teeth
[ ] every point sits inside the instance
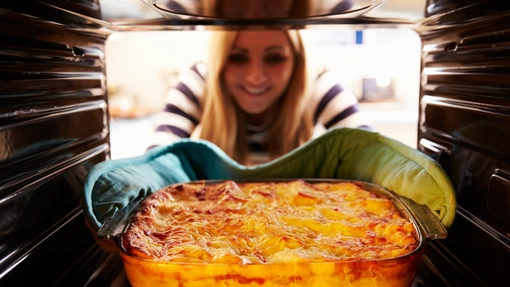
(255, 91)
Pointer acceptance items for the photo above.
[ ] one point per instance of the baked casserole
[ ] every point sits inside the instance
(271, 233)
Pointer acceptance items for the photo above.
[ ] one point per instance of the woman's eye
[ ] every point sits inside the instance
(274, 59)
(238, 59)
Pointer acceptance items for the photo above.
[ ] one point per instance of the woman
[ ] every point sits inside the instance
(253, 98)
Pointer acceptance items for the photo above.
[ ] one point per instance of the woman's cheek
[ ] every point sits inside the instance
(282, 71)
(230, 74)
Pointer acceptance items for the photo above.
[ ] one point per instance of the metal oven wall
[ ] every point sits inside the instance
(53, 129)
(465, 124)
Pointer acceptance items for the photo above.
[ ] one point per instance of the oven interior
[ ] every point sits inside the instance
(56, 120)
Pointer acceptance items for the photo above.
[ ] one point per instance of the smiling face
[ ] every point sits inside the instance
(258, 69)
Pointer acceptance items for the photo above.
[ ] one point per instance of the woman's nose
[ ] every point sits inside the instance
(256, 73)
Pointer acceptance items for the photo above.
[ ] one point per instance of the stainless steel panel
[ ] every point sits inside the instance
(53, 128)
(463, 124)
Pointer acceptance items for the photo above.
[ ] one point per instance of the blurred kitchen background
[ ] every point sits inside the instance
(380, 66)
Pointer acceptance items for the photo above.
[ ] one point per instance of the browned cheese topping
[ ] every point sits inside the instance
(268, 223)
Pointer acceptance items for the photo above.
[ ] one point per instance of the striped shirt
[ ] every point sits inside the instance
(332, 106)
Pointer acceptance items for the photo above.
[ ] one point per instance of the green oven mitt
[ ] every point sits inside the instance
(341, 153)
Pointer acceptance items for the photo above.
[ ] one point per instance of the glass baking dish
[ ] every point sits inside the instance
(395, 272)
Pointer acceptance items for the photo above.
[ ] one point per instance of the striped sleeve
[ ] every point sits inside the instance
(190, 7)
(258, 150)
(182, 110)
(335, 106)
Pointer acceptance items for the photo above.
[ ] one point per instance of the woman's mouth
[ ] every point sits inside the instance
(255, 91)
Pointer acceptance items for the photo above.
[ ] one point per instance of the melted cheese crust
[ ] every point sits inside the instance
(268, 223)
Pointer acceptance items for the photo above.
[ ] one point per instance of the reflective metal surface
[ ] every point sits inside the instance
(151, 15)
(464, 120)
(53, 129)
(266, 9)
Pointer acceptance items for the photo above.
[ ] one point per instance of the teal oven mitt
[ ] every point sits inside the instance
(341, 153)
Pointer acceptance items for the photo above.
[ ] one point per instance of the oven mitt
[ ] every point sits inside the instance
(340, 153)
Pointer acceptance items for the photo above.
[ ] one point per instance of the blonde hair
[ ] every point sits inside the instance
(223, 123)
